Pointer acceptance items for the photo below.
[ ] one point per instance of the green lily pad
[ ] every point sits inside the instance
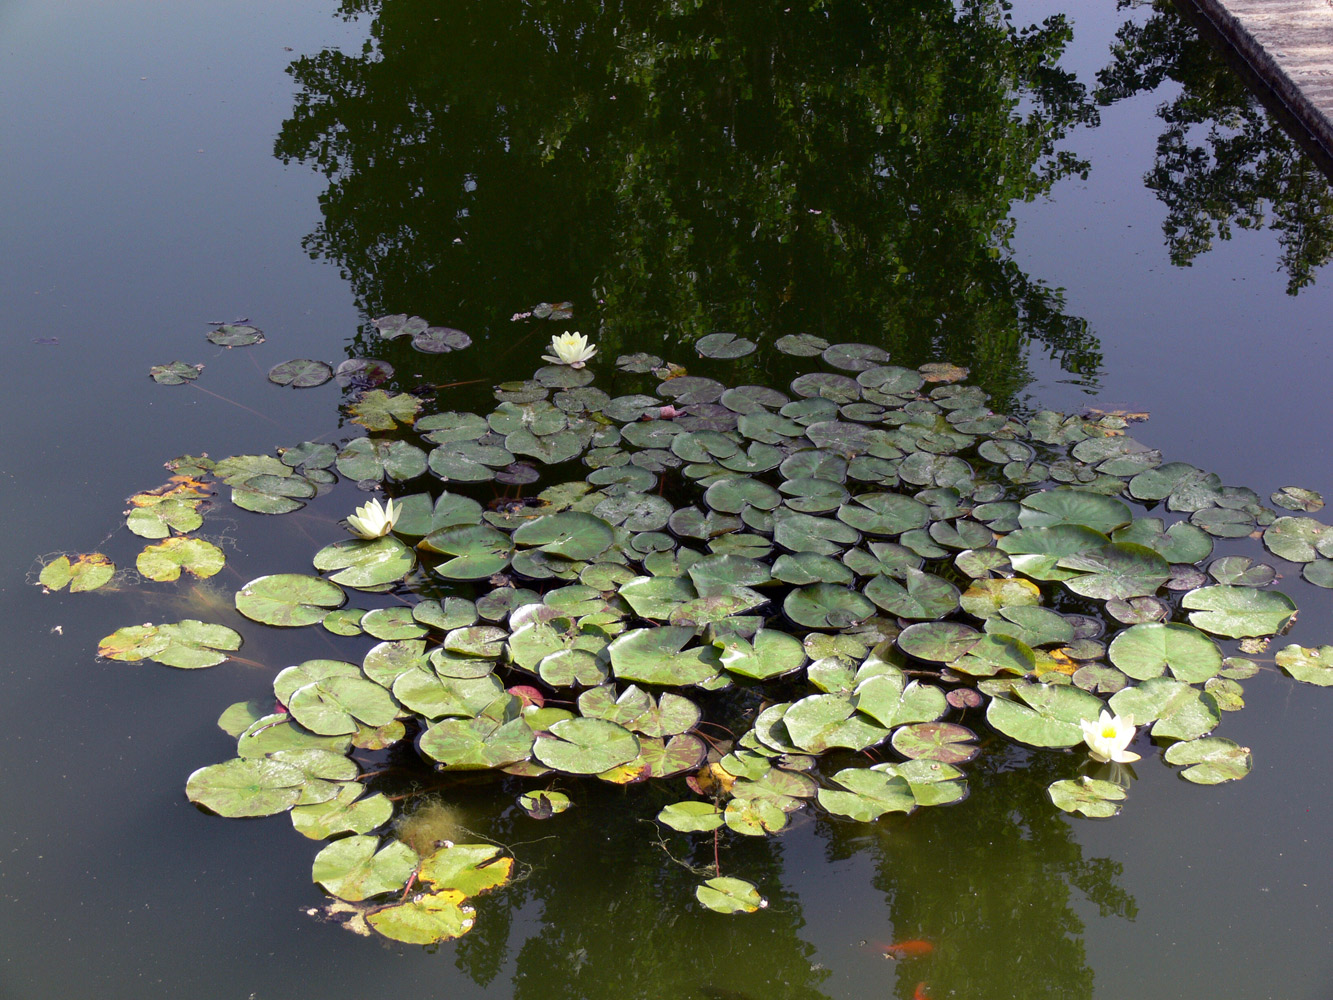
(724, 345)
(803, 345)
(869, 794)
(163, 562)
(1148, 650)
(189, 644)
(1044, 715)
(1313, 666)
(378, 410)
(175, 373)
(424, 918)
(1297, 498)
(478, 551)
(1091, 510)
(476, 744)
(288, 599)
(585, 746)
(938, 642)
(1120, 570)
(86, 572)
(354, 868)
(944, 742)
(1210, 760)
(347, 812)
(376, 459)
(246, 787)
(332, 706)
(730, 895)
(691, 816)
(366, 563)
(769, 654)
(1036, 552)
(819, 722)
(659, 656)
(268, 494)
(1238, 611)
(235, 335)
(1089, 796)
(301, 373)
(568, 535)
(1180, 543)
(158, 520)
(826, 606)
(922, 596)
(1177, 710)
(1299, 539)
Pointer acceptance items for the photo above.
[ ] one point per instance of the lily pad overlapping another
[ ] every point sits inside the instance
(855, 577)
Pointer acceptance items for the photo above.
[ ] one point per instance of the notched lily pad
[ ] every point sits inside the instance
(84, 572)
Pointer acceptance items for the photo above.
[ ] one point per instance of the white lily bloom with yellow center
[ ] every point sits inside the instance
(1107, 738)
(569, 349)
(372, 520)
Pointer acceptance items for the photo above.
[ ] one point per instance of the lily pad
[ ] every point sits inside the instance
(175, 373)
(1177, 710)
(1210, 760)
(246, 787)
(366, 563)
(355, 868)
(347, 812)
(1089, 796)
(288, 599)
(163, 562)
(659, 656)
(1313, 666)
(826, 606)
(1149, 650)
(730, 895)
(868, 794)
(476, 744)
(691, 817)
(1044, 715)
(1238, 611)
(189, 644)
(585, 746)
(944, 742)
(85, 572)
(300, 373)
(724, 345)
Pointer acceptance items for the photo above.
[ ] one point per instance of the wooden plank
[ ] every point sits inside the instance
(1289, 45)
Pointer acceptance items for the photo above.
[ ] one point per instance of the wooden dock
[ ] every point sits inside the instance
(1289, 46)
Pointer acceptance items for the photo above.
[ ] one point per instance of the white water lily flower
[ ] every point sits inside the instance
(1107, 738)
(570, 349)
(373, 521)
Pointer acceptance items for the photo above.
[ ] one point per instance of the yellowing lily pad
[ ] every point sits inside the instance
(85, 572)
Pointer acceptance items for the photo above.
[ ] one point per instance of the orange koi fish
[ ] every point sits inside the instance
(915, 948)
(920, 992)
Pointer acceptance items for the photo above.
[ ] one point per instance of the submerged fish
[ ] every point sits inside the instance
(915, 948)
(920, 992)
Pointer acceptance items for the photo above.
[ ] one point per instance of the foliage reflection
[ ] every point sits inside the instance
(765, 168)
(1222, 161)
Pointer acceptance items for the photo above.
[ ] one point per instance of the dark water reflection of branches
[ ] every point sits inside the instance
(1222, 160)
(764, 168)
(994, 883)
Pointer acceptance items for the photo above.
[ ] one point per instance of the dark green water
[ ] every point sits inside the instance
(911, 175)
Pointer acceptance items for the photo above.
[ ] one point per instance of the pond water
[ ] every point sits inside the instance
(311, 167)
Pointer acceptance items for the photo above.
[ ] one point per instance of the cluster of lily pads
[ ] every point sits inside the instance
(823, 598)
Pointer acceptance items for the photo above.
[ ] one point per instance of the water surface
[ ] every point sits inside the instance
(158, 175)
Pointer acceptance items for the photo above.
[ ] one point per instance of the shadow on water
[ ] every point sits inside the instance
(1222, 160)
(995, 886)
(676, 169)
